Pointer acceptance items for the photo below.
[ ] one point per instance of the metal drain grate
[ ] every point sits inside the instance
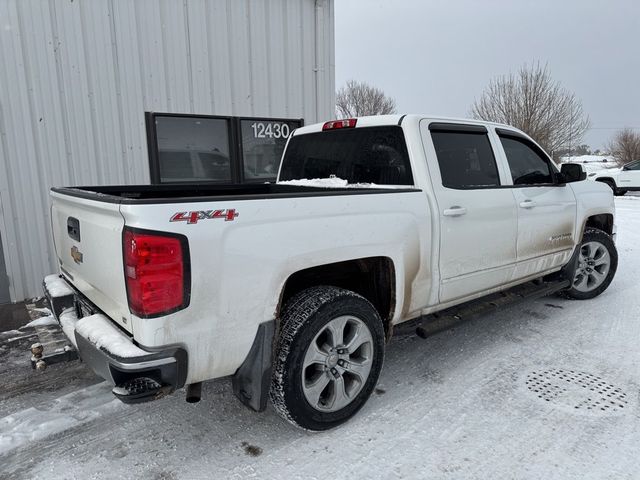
(578, 390)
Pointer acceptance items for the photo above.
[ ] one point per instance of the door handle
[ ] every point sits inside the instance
(527, 204)
(454, 211)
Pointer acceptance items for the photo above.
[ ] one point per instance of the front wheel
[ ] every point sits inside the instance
(597, 264)
(328, 357)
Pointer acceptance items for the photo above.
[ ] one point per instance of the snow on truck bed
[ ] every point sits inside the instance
(334, 182)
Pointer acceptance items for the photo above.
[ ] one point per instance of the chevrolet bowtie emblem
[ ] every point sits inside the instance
(76, 255)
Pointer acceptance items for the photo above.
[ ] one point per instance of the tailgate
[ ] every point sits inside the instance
(88, 241)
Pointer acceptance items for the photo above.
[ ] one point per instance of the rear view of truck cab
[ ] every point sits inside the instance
(112, 277)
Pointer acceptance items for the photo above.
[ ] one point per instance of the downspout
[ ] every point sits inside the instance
(8, 242)
(6, 260)
(318, 68)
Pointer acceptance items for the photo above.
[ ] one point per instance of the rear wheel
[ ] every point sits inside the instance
(328, 359)
(597, 264)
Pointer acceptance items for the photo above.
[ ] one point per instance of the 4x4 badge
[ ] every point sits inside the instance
(193, 217)
(76, 255)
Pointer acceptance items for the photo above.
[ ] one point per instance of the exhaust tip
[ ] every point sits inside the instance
(194, 392)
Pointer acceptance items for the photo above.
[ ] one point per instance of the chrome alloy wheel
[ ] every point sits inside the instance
(337, 363)
(593, 266)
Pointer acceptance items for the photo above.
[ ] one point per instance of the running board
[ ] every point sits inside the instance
(427, 325)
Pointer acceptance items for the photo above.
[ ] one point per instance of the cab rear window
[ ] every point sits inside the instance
(359, 155)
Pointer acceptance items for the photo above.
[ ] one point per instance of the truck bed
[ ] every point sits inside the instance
(144, 194)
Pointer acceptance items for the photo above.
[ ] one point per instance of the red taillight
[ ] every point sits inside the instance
(336, 124)
(154, 269)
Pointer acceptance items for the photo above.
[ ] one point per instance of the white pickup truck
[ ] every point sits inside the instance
(293, 288)
(620, 180)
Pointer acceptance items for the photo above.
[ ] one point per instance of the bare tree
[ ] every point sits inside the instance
(357, 99)
(531, 101)
(625, 146)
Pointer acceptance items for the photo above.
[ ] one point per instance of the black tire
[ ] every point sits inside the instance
(595, 235)
(303, 318)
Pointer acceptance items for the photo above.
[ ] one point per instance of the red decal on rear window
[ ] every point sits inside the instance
(193, 217)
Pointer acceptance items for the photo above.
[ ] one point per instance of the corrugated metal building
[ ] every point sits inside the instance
(77, 76)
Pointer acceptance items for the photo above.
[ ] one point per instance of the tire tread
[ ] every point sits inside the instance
(294, 316)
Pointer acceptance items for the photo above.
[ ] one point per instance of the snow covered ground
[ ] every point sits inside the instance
(592, 163)
(461, 404)
(588, 159)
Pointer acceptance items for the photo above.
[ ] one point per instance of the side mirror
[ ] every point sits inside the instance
(572, 172)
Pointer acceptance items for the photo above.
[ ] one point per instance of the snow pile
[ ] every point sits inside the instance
(9, 336)
(597, 168)
(44, 310)
(333, 182)
(42, 321)
(99, 330)
(56, 286)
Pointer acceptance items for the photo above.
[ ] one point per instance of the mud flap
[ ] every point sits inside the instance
(252, 380)
(567, 272)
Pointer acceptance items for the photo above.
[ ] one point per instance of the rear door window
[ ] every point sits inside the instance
(465, 159)
(528, 165)
(359, 155)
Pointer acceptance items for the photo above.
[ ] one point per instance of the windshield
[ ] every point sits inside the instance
(375, 155)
